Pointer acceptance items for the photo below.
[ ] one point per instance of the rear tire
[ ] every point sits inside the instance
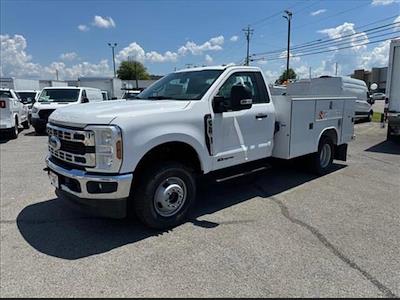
(14, 130)
(369, 118)
(323, 158)
(164, 195)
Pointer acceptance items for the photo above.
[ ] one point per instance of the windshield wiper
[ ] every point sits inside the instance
(158, 98)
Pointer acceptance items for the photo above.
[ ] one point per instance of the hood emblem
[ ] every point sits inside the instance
(55, 142)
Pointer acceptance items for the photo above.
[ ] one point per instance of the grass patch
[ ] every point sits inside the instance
(376, 117)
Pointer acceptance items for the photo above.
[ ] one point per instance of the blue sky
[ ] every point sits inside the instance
(169, 34)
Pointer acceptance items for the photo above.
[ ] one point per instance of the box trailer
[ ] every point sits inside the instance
(393, 90)
(19, 84)
(113, 86)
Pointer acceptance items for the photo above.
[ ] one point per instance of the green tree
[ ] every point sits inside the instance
(132, 70)
(291, 74)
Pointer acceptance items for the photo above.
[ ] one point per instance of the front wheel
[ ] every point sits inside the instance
(322, 160)
(164, 195)
(26, 124)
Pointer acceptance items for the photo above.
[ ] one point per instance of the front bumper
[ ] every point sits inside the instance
(37, 122)
(77, 185)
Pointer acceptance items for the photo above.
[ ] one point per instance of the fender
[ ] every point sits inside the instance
(141, 149)
(322, 132)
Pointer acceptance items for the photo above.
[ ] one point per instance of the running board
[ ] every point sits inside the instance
(243, 174)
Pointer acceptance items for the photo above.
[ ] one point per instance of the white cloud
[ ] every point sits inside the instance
(213, 44)
(234, 38)
(318, 12)
(103, 22)
(382, 2)
(347, 29)
(14, 59)
(83, 28)
(136, 52)
(16, 62)
(68, 56)
(209, 59)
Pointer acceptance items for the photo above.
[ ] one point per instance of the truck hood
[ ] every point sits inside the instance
(104, 112)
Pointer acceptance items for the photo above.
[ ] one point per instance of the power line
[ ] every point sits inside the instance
(355, 28)
(324, 42)
(331, 50)
(359, 39)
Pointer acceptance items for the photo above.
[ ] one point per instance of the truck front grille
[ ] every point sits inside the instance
(74, 146)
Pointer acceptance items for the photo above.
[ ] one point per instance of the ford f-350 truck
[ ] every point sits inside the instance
(143, 156)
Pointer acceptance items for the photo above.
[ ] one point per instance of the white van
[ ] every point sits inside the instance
(51, 98)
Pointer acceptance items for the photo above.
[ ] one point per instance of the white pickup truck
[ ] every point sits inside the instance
(143, 156)
(13, 113)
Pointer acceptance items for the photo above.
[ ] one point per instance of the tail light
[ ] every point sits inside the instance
(2, 104)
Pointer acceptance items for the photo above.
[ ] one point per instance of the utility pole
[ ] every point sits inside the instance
(289, 18)
(57, 74)
(113, 45)
(336, 68)
(248, 32)
(310, 72)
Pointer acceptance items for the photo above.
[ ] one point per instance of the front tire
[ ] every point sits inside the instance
(164, 195)
(26, 124)
(323, 158)
(40, 130)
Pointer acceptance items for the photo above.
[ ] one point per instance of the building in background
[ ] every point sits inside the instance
(376, 75)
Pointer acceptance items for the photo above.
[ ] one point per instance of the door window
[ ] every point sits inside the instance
(247, 79)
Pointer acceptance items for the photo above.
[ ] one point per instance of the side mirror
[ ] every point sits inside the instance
(371, 101)
(85, 100)
(241, 98)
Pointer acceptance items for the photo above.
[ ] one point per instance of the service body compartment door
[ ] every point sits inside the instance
(348, 121)
(302, 132)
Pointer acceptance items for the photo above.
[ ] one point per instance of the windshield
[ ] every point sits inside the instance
(5, 94)
(191, 85)
(59, 95)
(25, 95)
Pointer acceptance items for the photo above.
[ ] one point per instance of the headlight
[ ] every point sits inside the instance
(108, 141)
(35, 109)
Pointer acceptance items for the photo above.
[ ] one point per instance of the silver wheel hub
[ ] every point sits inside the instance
(170, 196)
(325, 155)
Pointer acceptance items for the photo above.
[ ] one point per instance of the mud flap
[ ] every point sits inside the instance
(341, 152)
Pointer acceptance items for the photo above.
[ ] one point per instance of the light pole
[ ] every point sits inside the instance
(113, 45)
(289, 18)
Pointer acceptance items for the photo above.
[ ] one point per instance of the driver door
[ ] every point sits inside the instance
(245, 135)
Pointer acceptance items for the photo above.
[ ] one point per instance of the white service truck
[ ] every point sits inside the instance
(393, 90)
(13, 113)
(52, 98)
(143, 156)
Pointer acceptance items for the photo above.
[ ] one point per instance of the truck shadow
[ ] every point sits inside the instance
(52, 228)
(388, 147)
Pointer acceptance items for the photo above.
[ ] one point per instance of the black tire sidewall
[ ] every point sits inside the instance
(143, 197)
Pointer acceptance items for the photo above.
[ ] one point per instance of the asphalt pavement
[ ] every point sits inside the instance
(279, 233)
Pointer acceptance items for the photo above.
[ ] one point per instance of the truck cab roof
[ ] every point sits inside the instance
(219, 67)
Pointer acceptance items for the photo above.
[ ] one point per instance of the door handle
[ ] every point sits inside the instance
(261, 116)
